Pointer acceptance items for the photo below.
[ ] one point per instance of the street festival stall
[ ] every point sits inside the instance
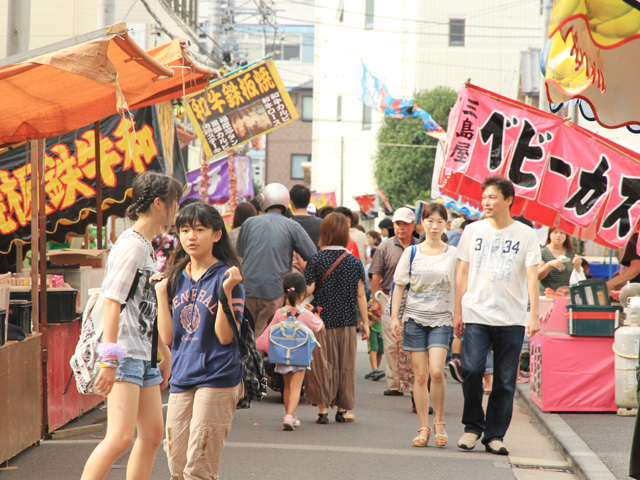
(48, 96)
(566, 175)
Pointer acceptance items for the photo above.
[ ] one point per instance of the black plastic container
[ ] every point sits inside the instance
(3, 327)
(61, 304)
(20, 314)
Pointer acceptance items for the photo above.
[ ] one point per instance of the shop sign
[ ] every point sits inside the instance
(561, 172)
(239, 108)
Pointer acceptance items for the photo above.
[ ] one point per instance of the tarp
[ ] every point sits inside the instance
(128, 148)
(561, 172)
(56, 93)
(593, 56)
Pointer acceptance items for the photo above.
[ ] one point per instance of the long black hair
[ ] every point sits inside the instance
(208, 217)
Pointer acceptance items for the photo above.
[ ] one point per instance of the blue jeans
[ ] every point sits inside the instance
(507, 343)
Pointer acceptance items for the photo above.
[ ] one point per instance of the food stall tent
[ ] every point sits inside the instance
(46, 93)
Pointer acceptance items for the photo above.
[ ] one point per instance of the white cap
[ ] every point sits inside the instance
(404, 214)
(311, 209)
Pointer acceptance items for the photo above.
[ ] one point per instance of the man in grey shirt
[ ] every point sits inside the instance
(266, 244)
(383, 266)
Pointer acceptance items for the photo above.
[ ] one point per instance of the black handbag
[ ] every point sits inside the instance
(255, 379)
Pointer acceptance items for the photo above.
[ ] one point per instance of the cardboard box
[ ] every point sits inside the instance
(82, 257)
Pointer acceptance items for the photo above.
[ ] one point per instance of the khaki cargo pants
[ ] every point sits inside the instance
(198, 422)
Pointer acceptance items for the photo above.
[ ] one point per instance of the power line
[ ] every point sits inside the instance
(407, 32)
(435, 23)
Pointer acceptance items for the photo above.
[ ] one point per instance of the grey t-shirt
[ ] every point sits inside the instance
(266, 244)
(132, 254)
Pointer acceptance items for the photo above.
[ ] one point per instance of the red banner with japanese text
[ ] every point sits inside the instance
(563, 174)
(129, 147)
(239, 108)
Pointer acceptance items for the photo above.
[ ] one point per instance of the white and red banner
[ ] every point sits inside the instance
(562, 173)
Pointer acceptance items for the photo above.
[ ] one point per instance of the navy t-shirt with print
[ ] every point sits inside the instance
(338, 293)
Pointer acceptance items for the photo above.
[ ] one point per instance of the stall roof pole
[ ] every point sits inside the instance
(117, 29)
(35, 313)
(41, 243)
(96, 129)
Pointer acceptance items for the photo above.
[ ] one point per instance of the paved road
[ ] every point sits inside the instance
(377, 445)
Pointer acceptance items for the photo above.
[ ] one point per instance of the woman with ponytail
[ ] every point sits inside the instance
(132, 387)
(206, 380)
(295, 291)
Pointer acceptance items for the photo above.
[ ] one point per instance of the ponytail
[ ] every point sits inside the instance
(294, 285)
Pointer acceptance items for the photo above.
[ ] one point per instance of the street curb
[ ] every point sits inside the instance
(584, 462)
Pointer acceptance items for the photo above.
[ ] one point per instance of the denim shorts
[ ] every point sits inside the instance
(418, 338)
(139, 372)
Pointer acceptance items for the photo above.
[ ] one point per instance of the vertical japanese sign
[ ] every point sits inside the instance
(560, 171)
(239, 108)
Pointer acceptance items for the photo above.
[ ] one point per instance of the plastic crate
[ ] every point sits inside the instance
(593, 320)
(589, 292)
(3, 327)
(20, 314)
(61, 304)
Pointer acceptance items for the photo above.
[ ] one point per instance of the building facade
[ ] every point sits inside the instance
(410, 45)
(289, 147)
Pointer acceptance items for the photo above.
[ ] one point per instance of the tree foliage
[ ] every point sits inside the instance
(404, 173)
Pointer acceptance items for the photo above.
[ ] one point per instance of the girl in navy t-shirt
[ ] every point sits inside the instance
(206, 367)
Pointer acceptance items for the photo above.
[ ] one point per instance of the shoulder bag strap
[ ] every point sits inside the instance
(335, 264)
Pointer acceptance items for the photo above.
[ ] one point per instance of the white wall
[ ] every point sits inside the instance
(408, 50)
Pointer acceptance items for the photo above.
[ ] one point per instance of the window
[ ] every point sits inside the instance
(289, 48)
(297, 173)
(339, 114)
(456, 32)
(368, 15)
(307, 108)
(366, 117)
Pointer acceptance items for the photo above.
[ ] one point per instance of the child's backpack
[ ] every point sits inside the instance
(84, 361)
(291, 342)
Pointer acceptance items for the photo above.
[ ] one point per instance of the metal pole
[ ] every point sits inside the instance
(547, 5)
(96, 131)
(341, 170)
(18, 26)
(106, 13)
(35, 304)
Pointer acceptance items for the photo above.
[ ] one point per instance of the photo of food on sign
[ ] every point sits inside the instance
(240, 108)
(250, 121)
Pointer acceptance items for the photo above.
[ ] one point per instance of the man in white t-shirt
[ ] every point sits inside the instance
(497, 274)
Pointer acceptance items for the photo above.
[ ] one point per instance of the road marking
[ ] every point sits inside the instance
(409, 451)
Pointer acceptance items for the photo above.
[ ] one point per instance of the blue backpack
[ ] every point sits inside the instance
(291, 342)
(414, 249)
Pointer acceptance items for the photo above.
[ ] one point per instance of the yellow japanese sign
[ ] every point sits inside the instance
(239, 108)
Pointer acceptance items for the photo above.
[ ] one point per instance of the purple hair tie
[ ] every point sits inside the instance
(111, 350)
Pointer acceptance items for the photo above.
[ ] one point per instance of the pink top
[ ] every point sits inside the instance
(306, 318)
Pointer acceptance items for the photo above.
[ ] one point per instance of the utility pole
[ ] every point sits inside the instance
(546, 6)
(18, 26)
(106, 13)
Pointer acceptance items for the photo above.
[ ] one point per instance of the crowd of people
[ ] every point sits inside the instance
(461, 293)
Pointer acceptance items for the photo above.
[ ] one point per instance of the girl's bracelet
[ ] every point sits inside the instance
(111, 350)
